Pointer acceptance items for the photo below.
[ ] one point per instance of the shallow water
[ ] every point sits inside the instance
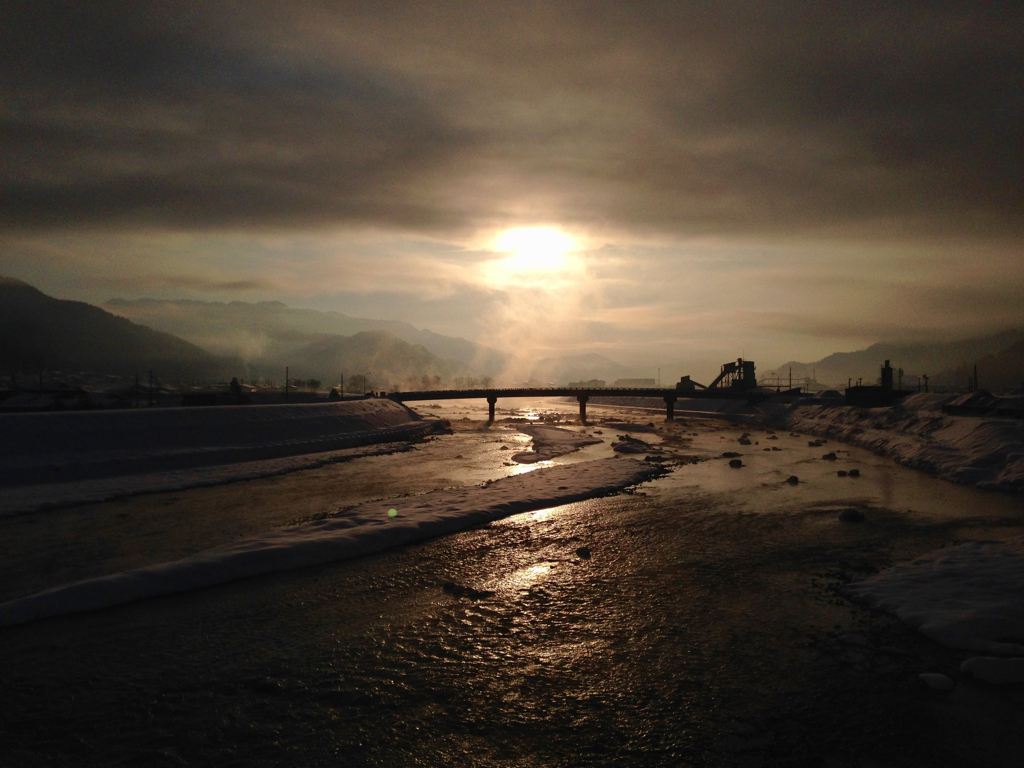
(697, 633)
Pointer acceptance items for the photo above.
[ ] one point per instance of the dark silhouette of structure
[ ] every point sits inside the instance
(735, 382)
(881, 396)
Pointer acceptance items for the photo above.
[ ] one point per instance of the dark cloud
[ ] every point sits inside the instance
(724, 117)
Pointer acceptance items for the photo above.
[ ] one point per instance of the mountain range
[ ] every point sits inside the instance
(938, 360)
(269, 332)
(187, 340)
(39, 332)
(996, 371)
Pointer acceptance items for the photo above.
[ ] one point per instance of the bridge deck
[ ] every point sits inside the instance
(582, 395)
(658, 392)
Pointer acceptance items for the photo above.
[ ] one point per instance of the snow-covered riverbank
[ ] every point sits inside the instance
(82, 445)
(50, 460)
(978, 450)
(359, 531)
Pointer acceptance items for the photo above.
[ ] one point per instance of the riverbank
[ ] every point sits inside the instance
(50, 460)
(60, 447)
(976, 450)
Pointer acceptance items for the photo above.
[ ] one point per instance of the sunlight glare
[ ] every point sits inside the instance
(536, 248)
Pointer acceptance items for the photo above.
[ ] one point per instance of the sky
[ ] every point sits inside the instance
(668, 184)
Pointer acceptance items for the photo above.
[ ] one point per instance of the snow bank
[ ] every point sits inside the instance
(981, 402)
(362, 530)
(970, 596)
(63, 447)
(25, 499)
(549, 442)
(988, 452)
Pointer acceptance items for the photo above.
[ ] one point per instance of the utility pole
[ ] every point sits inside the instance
(150, 403)
(286, 374)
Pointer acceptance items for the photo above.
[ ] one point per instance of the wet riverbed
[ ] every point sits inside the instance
(701, 630)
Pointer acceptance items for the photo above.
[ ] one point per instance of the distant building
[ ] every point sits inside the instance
(590, 384)
(878, 396)
(635, 383)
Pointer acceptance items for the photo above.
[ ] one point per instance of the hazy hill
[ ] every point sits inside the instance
(915, 359)
(562, 370)
(390, 361)
(272, 330)
(40, 332)
(1002, 370)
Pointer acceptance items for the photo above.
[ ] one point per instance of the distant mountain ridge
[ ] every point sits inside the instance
(997, 372)
(389, 361)
(39, 332)
(270, 329)
(932, 358)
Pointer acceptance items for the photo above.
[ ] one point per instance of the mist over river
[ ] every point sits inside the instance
(692, 620)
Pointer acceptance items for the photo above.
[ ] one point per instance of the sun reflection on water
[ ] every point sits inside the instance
(527, 577)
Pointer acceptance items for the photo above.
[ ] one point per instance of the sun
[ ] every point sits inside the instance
(535, 249)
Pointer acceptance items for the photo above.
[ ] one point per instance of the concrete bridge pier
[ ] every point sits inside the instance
(491, 400)
(670, 408)
(583, 407)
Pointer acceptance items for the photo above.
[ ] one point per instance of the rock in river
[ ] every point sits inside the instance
(935, 681)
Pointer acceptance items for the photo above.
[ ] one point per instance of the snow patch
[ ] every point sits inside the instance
(359, 531)
(970, 596)
(995, 670)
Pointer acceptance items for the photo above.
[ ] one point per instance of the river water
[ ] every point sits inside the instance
(702, 630)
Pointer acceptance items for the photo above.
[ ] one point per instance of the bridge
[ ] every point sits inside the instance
(583, 395)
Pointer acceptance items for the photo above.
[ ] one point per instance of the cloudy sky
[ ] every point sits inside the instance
(670, 184)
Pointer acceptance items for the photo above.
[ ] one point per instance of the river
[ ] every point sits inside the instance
(703, 629)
